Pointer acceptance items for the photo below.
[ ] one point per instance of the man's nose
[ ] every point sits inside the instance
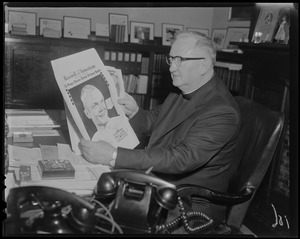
(173, 67)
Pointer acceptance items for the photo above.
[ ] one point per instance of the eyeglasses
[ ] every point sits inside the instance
(178, 59)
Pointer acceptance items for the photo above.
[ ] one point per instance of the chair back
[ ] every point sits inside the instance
(259, 135)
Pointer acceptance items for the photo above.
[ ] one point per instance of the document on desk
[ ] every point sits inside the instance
(23, 156)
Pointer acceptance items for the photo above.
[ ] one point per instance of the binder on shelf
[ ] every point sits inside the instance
(142, 84)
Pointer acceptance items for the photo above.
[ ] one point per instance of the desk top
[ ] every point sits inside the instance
(63, 138)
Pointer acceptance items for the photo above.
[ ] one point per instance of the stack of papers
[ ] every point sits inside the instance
(86, 174)
(36, 121)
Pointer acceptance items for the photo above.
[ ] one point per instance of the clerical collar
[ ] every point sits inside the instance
(190, 95)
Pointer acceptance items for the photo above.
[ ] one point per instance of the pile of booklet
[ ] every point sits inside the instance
(23, 123)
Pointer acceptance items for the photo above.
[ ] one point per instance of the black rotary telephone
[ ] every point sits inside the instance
(140, 202)
(49, 211)
(135, 202)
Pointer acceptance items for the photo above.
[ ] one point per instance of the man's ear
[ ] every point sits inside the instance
(87, 114)
(205, 66)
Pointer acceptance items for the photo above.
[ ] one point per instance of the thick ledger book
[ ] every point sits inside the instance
(90, 94)
(56, 169)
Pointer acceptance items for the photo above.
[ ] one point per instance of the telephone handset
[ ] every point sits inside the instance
(52, 201)
(165, 193)
(145, 198)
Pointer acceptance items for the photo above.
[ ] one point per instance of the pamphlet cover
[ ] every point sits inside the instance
(90, 95)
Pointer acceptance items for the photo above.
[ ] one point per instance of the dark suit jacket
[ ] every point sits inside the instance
(191, 141)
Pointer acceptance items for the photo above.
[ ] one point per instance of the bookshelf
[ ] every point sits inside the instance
(30, 82)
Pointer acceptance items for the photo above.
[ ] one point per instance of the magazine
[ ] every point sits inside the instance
(90, 95)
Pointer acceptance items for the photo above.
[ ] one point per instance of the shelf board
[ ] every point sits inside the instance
(154, 46)
(264, 46)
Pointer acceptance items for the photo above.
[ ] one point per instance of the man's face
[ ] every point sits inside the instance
(185, 76)
(96, 108)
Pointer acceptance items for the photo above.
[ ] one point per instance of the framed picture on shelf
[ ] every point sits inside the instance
(236, 34)
(240, 13)
(204, 31)
(119, 19)
(218, 36)
(50, 27)
(75, 27)
(282, 30)
(168, 33)
(265, 25)
(22, 23)
(141, 31)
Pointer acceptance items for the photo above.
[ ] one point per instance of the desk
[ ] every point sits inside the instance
(63, 138)
(86, 174)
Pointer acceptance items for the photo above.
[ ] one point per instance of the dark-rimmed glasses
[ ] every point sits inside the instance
(178, 59)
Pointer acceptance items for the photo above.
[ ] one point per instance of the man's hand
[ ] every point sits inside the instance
(129, 105)
(99, 152)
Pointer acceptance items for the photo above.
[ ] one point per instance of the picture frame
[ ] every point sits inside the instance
(119, 19)
(236, 34)
(218, 36)
(240, 13)
(23, 23)
(75, 27)
(282, 30)
(169, 31)
(201, 30)
(265, 25)
(50, 27)
(141, 31)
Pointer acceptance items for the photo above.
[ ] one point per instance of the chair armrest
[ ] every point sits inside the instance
(215, 196)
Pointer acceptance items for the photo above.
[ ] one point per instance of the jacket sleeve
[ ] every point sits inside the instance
(144, 120)
(204, 139)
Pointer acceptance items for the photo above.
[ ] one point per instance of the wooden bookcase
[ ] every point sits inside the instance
(29, 78)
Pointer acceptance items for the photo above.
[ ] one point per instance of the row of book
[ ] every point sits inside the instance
(160, 64)
(117, 33)
(128, 62)
(135, 84)
(145, 65)
(230, 73)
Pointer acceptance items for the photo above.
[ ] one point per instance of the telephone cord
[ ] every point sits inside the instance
(186, 217)
(109, 217)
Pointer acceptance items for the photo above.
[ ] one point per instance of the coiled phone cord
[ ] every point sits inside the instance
(186, 217)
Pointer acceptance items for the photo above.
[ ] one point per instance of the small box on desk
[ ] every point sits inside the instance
(21, 137)
(55, 169)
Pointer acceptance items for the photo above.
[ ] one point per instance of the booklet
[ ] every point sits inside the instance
(90, 91)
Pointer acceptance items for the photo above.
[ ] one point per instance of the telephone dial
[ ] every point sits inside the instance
(124, 201)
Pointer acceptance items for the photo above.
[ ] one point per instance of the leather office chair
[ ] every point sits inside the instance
(260, 131)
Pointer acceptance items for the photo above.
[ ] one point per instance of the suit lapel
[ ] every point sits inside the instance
(174, 111)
